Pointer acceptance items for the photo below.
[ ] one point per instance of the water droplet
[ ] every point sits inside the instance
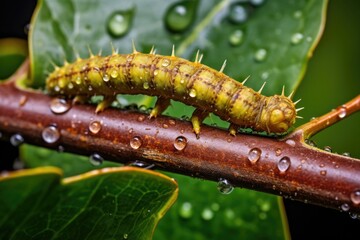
(355, 197)
(119, 23)
(59, 105)
(342, 112)
(296, 38)
(257, 2)
(238, 13)
(186, 210)
(57, 88)
(215, 207)
(23, 100)
(16, 140)
(95, 127)
(345, 207)
(146, 85)
(156, 72)
(207, 214)
(323, 172)
(78, 80)
(327, 149)
(125, 236)
(141, 164)
(346, 154)
(180, 16)
(114, 73)
(105, 77)
(95, 159)
(224, 186)
(278, 152)
(254, 155)
(70, 85)
(165, 62)
(180, 143)
(260, 55)
(290, 142)
(50, 134)
(353, 215)
(236, 38)
(310, 142)
(192, 93)
(284, 164)
(265, 75)
(135, 142)
(297, 14)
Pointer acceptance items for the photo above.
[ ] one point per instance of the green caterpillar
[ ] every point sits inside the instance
(170, 77)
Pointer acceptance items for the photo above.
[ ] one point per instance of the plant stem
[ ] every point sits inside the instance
(286, 167)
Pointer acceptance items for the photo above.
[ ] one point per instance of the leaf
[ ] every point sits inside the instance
(12, 53)
(112, 203)
(61, 31)
(202, 212)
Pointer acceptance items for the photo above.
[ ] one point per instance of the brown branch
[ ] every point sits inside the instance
(254, 162)
(317, 124)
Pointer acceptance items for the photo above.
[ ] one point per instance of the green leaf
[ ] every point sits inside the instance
(112, 203)
(286, 30)
(13, 52)
(202, 212)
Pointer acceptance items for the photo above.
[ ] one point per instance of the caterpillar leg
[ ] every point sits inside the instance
(197, 118)
(104, 104)
(233, 128)
(160, 106)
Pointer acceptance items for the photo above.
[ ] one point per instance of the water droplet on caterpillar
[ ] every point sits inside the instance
(106, 77)
(165, 62)
(180, 143)
(95, 159)
(224, 186)
(192, 93)
(238, 13)
(146, 85)
(355, 197)
(180, 16)
(236, 37)
(114, 74)
(254, 155)
(119, 23)
(260, 55)
(186, 210)
(16, 140)
(346, 154)
(50, 134)
(135, 142)
(59, 105)
(284, 164)
(95, 127)
(296, 38)
(70, 85)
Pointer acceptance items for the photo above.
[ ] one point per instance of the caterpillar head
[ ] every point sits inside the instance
(278, 114)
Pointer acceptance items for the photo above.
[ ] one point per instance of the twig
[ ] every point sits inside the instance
(286, 167)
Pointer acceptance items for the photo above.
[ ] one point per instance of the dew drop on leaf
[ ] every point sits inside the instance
(180, 16)
(119, 23)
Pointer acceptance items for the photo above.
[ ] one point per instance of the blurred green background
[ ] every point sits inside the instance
(332, 77)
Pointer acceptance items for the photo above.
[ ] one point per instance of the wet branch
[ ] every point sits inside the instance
(286, 167)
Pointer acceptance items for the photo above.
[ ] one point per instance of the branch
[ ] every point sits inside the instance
(286, 167)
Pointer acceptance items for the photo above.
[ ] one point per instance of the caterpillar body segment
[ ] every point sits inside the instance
(170, 77)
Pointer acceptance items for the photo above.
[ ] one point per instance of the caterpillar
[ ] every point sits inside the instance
(174, 78)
